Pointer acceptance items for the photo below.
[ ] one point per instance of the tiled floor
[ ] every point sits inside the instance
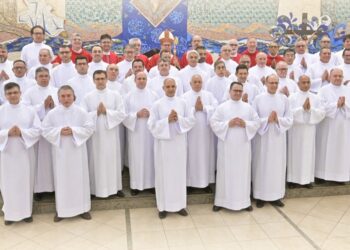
(304, 223)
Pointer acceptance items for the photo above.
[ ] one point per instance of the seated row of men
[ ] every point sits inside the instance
(171, 142)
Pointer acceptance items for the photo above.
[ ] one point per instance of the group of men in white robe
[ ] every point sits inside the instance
(181, 128)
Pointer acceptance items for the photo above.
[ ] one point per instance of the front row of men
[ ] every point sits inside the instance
(171, 143)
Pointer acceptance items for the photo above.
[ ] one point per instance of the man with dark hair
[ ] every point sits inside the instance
(108, 56)
(97, 63)
(66, 70)
(30, 52)
(107, 109)
(67, 127)
(125, 65)
(273, 56)
(44, 61)
(218, 84)
(346, 66)
(235, 124)
(5, 64)
(195, 43)
(129, 83)
(346, 45)
(19, 131)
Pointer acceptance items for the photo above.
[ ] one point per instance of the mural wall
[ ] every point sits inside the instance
(216, 21)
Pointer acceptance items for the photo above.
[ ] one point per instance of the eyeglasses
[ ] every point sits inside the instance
(282, 69)
(18, 67)
(232, 44)
(237, 90)
(38, 33)
(64, 52)
(300, 46)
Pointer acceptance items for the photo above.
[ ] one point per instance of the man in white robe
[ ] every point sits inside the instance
(44, 61)
(346, 67)
(138, 104)
(112, 76)
(5, 64)
(200, 139)
(129, 83)
(30, 52)
(64, 71)
(219, 84)
(125, 65)
(226, 58)
(19, 131)
(154, 71)
(42, 97)
(19, 76)
(325, 42)
(170, 120)
(319, 71)
(67, 127)
(346, 45)
(203, 65)
(261, 70)
(332, 144)
(82, 82)
(191, 69)
(106, 108)
(307, 113)
(156, 83)
(286, 86)
(303, 59)
(97, 63)
(235, 123)
(270, 145)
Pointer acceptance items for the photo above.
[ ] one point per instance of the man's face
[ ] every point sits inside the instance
(261, 60)
(233, 43)
(164, 68)
(96, 54)
(236, 92)
(325, 55)
(38, 35)
(226, 52)
(43, 78)
(196, 83)
(19, 69)
(192, 59)
(106, 44)
(251, 44)
(65, 54)
(325, 42)
(304, 83)
(141, 80)
(166, 46)
(346, 57)
(137, 46)
(166, 56)
(13, 95)
(196, 41)
(129, 54)
(273, 49)
(82, 66)
(242, 75)
(202, 55)
(3, 55)
(336, 77)
(220, 70)
(137, 67)
(289, 57)
(300, 47)
(100, 81)
(282, 70)
(245, 60)
(169, 87)
(347, 44)
(44, 57)
(112, 72)
(272, 84)
(76, 43)
(66, 97)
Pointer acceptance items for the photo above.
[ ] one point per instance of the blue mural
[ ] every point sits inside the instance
(146, 21)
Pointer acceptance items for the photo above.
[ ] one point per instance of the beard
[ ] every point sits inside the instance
(3, 59)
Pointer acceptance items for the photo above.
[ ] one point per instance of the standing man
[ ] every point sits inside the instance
(169, 121)
(97, 62)
(346, 66)
(226, 58)
(201, 141)
(273, 57)
(5, 64)
(44, 61)
(30, 52)
(302, 58)
(270, 145)
(251, 50)
(195, 43)
(218, 84)
(286, 85)
(261, 70)
(66, 70)
(234, 46)
(125, 66)
(19, 131)
(67, 127)
(112, 76)
(108, 56)
(235, 124)
(106, 108)
(138, 104)
(136, 42)
(307, 113)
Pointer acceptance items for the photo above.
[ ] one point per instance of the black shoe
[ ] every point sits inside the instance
(162, 214)
(260, 203)
(120, 194)
(38, 196)
(208, 190)
(291, 185)
(134, 192)
(216, 208)
(190, 190)
(86, 216)
(320, 181)
(277, 203)
(152, 190)
(309, 186)
(8, 222)
(183, 212)
(249, 209)
(57, 219)
(28, 220)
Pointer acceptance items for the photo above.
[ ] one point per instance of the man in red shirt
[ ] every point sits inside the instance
(251, 50)
(108, 55)
(76, 49)
(195, 43)
(273, 57)
(136, 42)
(234, 53)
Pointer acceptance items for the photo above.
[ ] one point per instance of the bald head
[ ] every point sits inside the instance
(44, 56)
(140, 80)
(261, 59)
(196, 41)
(169, 87)
(272, 83)
(304, 83)
(196, 83)
(336, 76)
